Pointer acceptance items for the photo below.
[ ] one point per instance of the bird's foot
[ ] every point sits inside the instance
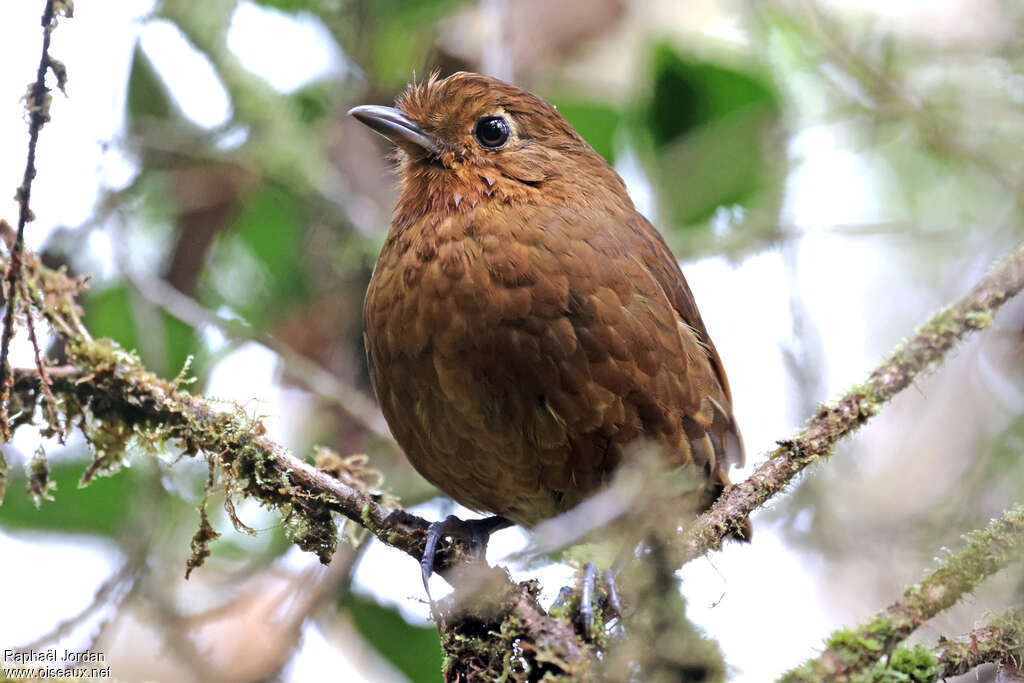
(602, 595)
(473, 532)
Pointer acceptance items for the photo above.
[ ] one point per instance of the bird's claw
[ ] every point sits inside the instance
(474, 532)
(606, 600)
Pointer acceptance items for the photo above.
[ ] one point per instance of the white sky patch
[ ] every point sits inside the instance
(762, 632)
(628, 166)
(51, 577)
(830, 183)
(745, 307)
(119, 167)
(247, 373)
(188, 73)
(248, 376)
(315, 655)
(213, 338)
(288, 50)
(233, 138)
(826, 262)
(70, 160)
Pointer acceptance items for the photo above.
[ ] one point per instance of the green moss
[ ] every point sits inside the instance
(108, 439)
(867, 402)
(917, 664)
(987, 551)
(39, 484)
(498, 639)
(978, 320)
(121, 408)
(3, 477)
(864, 643)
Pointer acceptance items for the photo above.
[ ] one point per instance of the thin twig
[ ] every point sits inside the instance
(41, 368)
(39, 113)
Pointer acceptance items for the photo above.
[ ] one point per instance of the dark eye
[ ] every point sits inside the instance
(491, 131)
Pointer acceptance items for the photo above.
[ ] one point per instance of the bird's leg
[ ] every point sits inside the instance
(608, 602)
(475, 532)
(608, 577)
(587, 585)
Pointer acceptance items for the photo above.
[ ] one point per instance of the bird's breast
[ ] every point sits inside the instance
(445, 284)
(515, 356)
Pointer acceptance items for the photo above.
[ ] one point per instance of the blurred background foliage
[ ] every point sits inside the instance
(870, 154)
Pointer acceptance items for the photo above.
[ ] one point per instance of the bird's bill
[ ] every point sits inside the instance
(395, 125)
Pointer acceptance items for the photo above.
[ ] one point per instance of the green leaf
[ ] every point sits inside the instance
(108, 313)
(100, 508)
(182, 342)
(272, 226)
(596, 122)
(717, 165)
(710, 126)
(414, 650)
(147, 92)
(690, 93)
(315, 101)
(315, 6)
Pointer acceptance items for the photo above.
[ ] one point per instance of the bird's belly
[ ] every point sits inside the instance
(514, 372)
(473, 416)
(488, 392)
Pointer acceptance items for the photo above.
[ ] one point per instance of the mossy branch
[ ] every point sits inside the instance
(851, 651)
(924, 351)
(1001, 641)
(121, 395)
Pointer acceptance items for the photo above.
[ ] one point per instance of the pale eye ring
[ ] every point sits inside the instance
(492, 132)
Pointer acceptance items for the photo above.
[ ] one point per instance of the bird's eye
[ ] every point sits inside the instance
(491, 131)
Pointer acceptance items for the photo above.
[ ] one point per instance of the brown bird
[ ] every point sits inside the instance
(524, 324)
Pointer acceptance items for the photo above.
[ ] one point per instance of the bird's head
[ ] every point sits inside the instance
(469, 139)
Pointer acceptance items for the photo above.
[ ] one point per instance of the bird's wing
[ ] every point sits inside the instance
(661, 263)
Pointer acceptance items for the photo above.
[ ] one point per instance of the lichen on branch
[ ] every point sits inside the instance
(922, 352)
(1000, 641)
(850, 651)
